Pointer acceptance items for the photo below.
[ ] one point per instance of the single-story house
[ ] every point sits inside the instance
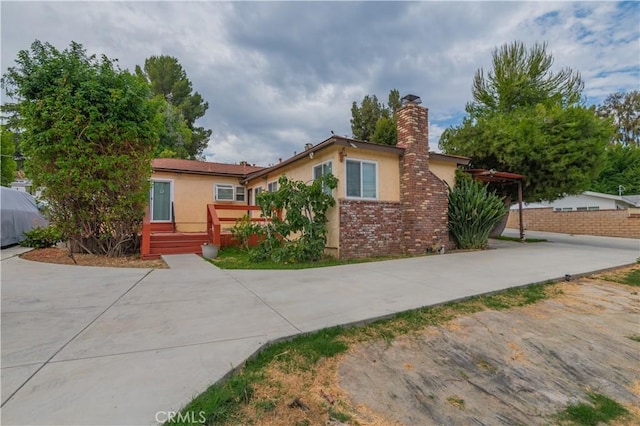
(389, 199)
(181, 190)
(590, 200)
(25, 185)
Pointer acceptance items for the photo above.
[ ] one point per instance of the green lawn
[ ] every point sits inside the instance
(234, 258)
(600, 410)
(632, 278)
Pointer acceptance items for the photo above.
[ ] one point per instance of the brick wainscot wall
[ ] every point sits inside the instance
(369, 228)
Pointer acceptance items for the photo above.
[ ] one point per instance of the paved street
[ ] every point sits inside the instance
(91, 346)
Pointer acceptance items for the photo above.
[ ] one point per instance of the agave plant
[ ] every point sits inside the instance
(473, 212)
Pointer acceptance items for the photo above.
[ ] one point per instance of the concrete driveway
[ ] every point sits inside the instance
(91, 346)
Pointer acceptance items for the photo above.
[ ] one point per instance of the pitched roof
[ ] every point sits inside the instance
(202, 167)
(634, 200)
(354, 143)
(448, 158)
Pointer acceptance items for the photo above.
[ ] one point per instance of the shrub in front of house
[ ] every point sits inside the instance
(301, 235)
(473, 212)
(42, 237)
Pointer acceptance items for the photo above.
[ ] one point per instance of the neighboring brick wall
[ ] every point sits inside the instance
(423, 196)
(369, 228)
(611, 223)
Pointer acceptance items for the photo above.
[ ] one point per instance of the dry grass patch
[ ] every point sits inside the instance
(298, 382)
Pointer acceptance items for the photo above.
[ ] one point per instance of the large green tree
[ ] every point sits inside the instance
(176, 138)
(621, 169)
(373, 121)
(169, 80)
(526, 119)
(620, 172)
(90, 131)
(522, 77)
(7, 161)
(624, 109)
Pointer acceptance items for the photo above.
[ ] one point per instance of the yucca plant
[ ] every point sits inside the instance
(473, 212)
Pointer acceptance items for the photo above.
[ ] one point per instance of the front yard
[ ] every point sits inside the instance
(535, 355)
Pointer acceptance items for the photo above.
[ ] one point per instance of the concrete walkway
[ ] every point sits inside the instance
(91, 346)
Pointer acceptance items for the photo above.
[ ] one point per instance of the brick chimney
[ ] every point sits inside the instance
(423, 196)
(413, 125)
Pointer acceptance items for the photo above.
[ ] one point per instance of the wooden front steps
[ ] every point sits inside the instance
(183, 242)
(176, 243)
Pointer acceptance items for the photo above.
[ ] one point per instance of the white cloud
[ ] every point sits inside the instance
(279, 75)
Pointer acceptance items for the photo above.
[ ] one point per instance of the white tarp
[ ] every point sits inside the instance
(19, 213)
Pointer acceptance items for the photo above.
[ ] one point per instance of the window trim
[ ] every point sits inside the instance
(346, 178)
(256, 190)
(313, 168)
(244, 193)
(313, 174)
(273, 182)
(226, 186)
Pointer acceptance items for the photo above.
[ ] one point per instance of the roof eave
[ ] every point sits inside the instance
(197, 172)
(458, 159)
(333, 140)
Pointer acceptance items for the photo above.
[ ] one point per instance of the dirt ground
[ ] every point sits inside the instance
(519, 366)
(60, 256)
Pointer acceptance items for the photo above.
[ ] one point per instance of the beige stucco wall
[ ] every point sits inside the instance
(302, 170)
(191, 194)
(446, 171)
(388, 171)
(388, 178)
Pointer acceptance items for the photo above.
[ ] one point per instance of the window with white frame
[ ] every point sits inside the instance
(223, 192)
(240, 193)
(362, 179)
(256, 191)
(272, 186)
(322, 170)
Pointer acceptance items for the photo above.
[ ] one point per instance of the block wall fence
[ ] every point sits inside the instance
(608, 223)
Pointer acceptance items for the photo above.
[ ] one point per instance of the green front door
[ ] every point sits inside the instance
(160, 201)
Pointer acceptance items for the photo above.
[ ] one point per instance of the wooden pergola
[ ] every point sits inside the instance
(494, 176)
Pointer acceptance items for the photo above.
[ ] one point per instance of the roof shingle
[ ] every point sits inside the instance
(202, 167)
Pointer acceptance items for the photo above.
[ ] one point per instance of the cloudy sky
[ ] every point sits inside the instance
(278, 75)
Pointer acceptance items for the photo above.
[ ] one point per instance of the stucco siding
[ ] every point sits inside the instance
(191, 194)
(302, 170)
(445, 171)
(388, 180)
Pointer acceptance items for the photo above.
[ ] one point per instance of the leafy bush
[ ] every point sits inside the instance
(89, 132)
(302, 234)
(243, 230)
(473, 212)
(42, 237)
